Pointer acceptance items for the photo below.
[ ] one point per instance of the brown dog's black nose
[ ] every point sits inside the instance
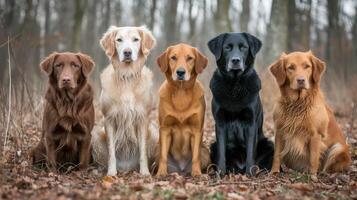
(300, 80)
(127, 53)
(180, 72)
(66, 80)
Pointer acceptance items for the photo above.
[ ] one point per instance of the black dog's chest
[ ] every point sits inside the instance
(243, 115)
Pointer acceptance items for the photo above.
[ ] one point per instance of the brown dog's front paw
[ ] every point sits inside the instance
(83, 166)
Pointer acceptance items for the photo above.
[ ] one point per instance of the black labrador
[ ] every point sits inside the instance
(236, 106)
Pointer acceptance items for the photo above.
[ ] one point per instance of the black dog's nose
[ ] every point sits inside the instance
(180, 72)
(300, 80)
(127, 53)
(235, 60)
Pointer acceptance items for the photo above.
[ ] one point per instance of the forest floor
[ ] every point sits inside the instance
(19, 180)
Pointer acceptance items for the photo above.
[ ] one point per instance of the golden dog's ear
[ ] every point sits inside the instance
(47, 64)
(278, 70)
(87, 63)
(163, 60)
(318, 67)
(108, 41)
(148, 41)
(200, 62)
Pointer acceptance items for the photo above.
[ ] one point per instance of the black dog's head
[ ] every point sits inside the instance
(234, 52)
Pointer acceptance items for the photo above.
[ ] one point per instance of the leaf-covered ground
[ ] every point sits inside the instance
(19, 180)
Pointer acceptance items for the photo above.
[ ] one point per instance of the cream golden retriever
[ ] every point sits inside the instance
(124, 142)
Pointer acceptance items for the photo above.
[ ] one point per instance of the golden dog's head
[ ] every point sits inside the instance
(182, 62)
(298, 70)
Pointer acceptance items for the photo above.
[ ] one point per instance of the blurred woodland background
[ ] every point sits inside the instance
(31, 29)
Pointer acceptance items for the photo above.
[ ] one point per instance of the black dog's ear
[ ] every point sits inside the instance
(215, 45)
(254, 45)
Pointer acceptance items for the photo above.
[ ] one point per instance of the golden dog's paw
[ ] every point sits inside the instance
(195, 173)
(275, 171)
(161, 173)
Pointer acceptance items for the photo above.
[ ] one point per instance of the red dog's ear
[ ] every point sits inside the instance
(278, 70)
(318, 67)
(148, 41)
(108, 42)
(201, 61)
(163, 60)
(87, 63)
(47, 64)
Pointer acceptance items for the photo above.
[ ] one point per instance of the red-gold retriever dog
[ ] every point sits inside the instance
(307, 136)
(181, 112)
(68, 117)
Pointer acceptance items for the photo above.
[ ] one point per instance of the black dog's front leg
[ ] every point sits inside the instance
(221, 149)
(251, 144)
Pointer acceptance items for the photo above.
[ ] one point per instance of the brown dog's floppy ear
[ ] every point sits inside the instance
(277, 69)
(200, 62)
(148, 41)
(47, 64)
(318, 67)
(108, 42)
(163, 60)
(87, 63)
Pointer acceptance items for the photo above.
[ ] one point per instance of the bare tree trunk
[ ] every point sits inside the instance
(277, 32)
(152, 14)
(80, 6)
(170, 21)
(245, 15)
(354, 39)
(222, 22)
(299, 26)
(139, 12)
(47, 27)
(192, 21)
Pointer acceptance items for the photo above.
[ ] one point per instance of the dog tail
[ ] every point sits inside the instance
(205, 157)
(99, 145)
(338, 158)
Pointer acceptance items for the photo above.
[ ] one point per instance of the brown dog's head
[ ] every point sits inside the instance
(298, 70)
(67, 69)
(182, 62)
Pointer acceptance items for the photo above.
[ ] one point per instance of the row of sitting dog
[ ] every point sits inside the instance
(307, 136)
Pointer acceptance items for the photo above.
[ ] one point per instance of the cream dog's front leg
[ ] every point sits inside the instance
(112, 167)
(144, 170)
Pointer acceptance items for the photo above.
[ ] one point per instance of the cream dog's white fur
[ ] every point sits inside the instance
(126, 143)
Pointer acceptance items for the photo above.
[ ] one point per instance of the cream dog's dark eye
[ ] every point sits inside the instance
(119, 40)
(136, 39)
